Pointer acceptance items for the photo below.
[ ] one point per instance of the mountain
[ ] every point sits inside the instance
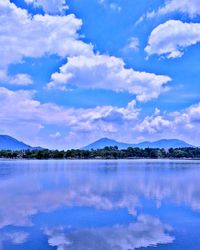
(10, 143)
(165, 143)
(103, 142)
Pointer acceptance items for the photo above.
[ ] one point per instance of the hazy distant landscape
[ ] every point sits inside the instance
(10, 143)
(102, 149)
(165, 143)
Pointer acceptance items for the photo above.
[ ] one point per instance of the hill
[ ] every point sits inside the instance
(10, 143)
(103, 142)
(165, 143)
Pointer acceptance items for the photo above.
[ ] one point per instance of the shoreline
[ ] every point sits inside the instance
(101, 159)
(108, 153)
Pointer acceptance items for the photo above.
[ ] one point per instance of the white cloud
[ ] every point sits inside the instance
(148, 15)
(188, 118)
(107, 72)
(23, 35)
(50, 6)
(172, 37)
(15, 238)
(154, 124)
(192, 8)
(18, 237)
(46, 35)
(115, 7)
(30, 116)
(21, 79)
(55, 135)
(41, 35)
(112, 5)
(133, 44)
(18, 79)
(181, 124)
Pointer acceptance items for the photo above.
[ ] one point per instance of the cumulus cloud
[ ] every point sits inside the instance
(18, 79)
(188, 118)
(21, 108)
(23, 35)
(22, 105)
(154, 124)
(182, 124)
(50, 6)
(110, 73)
(146, 231)
(172, 37)
(42, 34)
(47, 35)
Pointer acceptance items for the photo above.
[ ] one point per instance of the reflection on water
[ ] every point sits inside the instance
(99, 205)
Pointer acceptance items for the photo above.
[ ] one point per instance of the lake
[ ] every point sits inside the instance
(99, 205)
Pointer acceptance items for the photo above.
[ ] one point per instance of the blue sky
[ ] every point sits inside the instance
(74, 71)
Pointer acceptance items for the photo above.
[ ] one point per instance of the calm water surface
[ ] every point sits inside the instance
(99, 205)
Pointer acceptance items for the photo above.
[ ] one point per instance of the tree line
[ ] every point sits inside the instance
(105, 153)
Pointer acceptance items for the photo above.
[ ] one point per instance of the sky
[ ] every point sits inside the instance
(75, 71)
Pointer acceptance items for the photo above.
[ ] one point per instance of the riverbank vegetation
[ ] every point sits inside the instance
(106, 153)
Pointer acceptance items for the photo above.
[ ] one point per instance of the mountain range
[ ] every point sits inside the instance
(10, 143)
(165, 143)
